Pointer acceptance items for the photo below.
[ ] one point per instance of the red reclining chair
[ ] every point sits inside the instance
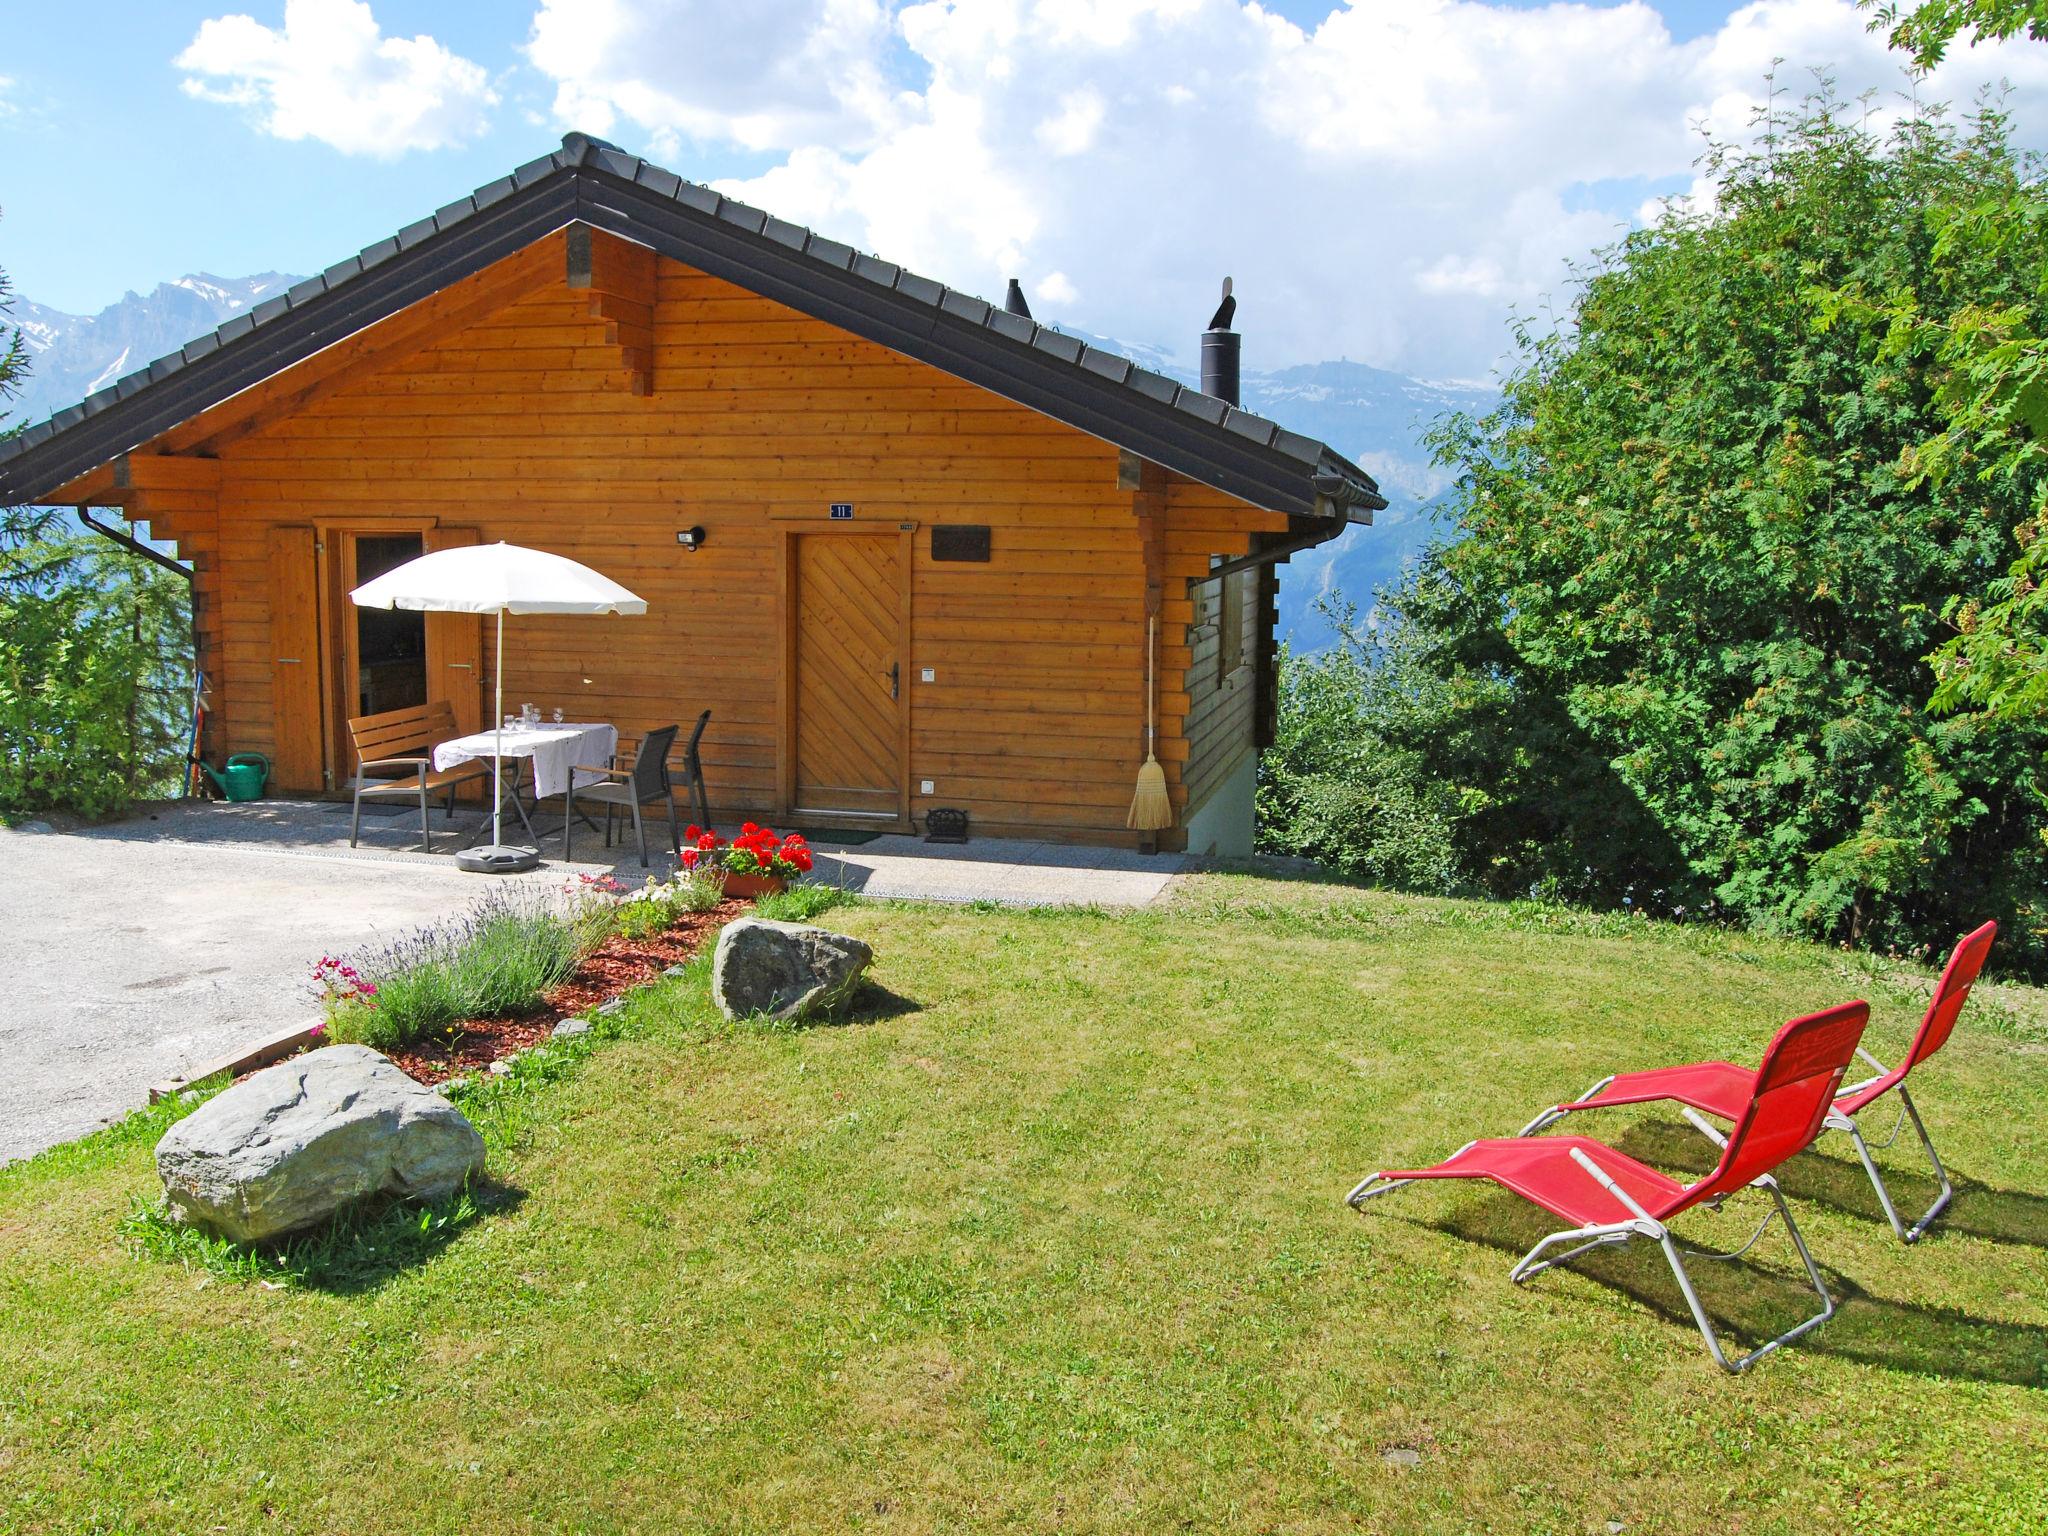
(1721, 1088)
(1610, 1197)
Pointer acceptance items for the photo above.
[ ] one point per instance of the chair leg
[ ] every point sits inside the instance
(1699, 1313)
(426, 834)
(1557, 1112)
(355, 820)
(675, 837)
(698, 794)
(608, 811)
(1905, 1233)
(640, 834)
(569, 822)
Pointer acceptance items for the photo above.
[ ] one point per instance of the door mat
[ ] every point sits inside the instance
(841, 837)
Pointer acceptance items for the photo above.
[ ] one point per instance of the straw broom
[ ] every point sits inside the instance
(1150, 807)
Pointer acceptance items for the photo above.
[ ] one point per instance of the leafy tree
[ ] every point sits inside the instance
(1926, 31)
(1691, 535)
(95, 658)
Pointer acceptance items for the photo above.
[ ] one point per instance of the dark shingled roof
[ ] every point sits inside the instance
(592, 182)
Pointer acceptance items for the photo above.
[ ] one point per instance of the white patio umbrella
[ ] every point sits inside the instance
(500, 579)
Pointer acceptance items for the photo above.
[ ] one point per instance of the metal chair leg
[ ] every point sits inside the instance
(1699, 1313)
(355, 821)
(426, 833)
(569, 821)
(1905, 1233)
(640, 834)
(675, 837)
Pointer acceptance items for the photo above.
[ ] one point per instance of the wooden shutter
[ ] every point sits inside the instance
(1230, 625)
(298, 754)
(455, 647)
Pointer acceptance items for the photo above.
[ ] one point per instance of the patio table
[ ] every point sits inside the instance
(552, 748)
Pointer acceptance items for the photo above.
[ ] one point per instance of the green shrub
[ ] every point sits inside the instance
(659, 903)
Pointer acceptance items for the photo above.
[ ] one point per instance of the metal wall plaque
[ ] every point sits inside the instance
(960, 541)
(842, 509)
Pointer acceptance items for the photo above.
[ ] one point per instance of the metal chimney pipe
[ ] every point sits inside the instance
(1220, 351)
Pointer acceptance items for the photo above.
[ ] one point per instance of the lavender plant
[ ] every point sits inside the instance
(497, 959)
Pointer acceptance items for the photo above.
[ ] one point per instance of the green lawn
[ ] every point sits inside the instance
(1051, 1238)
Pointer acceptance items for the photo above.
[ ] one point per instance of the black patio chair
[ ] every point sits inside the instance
(693, 772)
(627, 789)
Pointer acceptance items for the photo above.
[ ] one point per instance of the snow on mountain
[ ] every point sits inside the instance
(70, 356)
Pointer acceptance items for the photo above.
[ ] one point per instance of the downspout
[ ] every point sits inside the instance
(135, 546)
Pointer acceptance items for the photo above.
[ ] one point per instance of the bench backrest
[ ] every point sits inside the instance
(409, 732)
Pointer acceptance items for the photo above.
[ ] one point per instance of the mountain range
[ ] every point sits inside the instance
(1374, 417)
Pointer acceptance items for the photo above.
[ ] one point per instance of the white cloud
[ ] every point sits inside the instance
(767, 75)
(331, 75)
(1056, 288)
(1387, 184)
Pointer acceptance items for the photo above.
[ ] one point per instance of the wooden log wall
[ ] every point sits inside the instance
(594, 403)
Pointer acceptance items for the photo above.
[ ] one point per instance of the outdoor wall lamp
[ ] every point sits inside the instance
(691, 538)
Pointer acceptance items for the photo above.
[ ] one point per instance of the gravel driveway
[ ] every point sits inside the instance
(123, 962)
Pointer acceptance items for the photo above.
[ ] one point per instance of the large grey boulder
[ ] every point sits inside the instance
(294, 1143)
(785, 971)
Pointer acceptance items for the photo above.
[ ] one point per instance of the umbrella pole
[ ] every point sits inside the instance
(498, 743)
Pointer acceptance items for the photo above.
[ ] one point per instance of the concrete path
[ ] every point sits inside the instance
(124, 962)
(1014, 873)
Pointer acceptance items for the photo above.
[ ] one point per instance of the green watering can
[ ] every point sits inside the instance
(242, 778)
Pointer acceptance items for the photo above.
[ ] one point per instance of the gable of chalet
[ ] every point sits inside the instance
(439, 262)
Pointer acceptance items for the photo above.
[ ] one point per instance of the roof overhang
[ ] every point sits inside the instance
(593, 183)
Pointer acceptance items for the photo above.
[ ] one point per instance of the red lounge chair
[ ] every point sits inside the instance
(1722, 1088)
(1611, 1197)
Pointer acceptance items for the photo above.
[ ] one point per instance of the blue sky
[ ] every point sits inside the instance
(1448, 155)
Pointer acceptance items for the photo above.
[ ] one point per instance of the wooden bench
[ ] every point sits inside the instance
(395, 759)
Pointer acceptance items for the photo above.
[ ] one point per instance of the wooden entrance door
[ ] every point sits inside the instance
(847, 658)
(297, 752)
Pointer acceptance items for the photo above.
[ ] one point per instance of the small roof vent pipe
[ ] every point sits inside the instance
(1220, 348)
(1013, 301)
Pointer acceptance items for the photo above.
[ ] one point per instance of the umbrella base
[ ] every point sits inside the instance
(497, 860)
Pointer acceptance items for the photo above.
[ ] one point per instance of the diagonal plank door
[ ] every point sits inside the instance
(848, 730)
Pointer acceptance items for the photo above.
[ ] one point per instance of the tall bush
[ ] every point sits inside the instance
(1692, 578)
(95, 658)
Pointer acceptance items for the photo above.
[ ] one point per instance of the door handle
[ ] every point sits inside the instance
(288, 661)
(895, 674)
(462, 664)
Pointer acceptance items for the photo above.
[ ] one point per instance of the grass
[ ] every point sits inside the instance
(1049, 1237)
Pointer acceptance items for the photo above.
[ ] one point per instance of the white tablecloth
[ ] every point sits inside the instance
(554, 750)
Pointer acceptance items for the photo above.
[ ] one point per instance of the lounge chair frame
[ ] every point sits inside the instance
(1950, 993)
(1783, 1140)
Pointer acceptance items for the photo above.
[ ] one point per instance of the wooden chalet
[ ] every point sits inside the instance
(901, 542)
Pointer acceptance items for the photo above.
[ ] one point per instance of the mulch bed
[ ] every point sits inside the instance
(615, 967)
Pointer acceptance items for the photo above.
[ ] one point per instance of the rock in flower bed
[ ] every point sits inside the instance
(785, 971)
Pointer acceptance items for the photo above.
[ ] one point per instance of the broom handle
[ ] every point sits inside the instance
(1151, 684)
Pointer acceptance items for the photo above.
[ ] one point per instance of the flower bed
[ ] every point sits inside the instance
(458, 996)
(613, 968)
